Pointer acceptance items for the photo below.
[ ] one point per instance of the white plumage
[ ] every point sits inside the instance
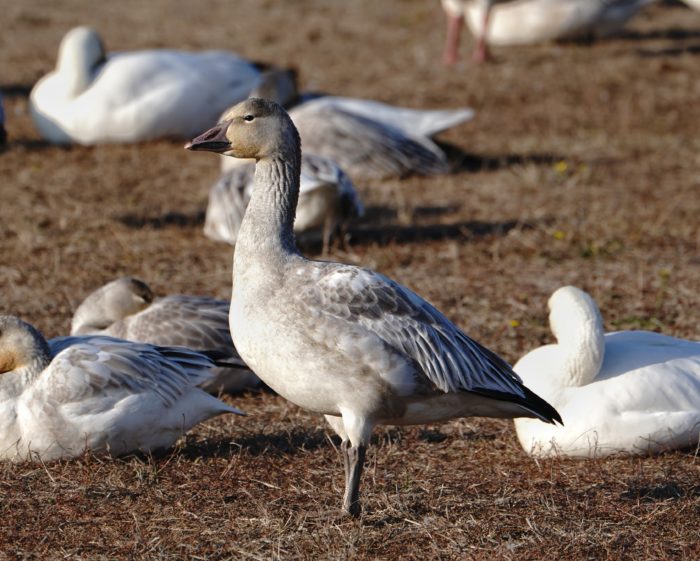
(521, 22)
(93, 97)
(60, 398)
(634, 392)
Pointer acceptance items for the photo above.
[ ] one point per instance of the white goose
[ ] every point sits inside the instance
(340, 340)
(72, 394)
(634, 392)
(92, 97)
(127, 308)
(520, 22)
(327, 199)
(367, 139)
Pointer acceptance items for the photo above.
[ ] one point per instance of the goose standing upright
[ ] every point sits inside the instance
(340, 340)
(93, 97)
(71, 394)
(634, 392)
(127, 308)
(521, 22)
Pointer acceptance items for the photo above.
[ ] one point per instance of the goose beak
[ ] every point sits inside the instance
(214, 140)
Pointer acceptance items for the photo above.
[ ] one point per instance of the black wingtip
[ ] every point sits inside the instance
(540, 408)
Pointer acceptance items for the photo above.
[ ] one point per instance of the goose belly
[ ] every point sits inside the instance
(305, 362)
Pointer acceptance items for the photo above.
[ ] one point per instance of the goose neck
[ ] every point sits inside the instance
(582, 344)
(267, 227)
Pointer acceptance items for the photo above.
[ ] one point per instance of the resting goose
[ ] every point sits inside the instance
(340, 340)
(327, 199)
(93, 97)
(367, 139)
(635, 392)
(520, 22)
(127, 308)
(72, 394)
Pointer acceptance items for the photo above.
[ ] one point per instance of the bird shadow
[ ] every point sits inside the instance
(275, 444)
(166, 220)
(670, 51)
(459, 231)
(669, 490)
(673, 33)
(462, 161)
(16, 90)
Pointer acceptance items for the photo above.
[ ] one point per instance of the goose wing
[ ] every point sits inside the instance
(365, 147)
(426, 122)
(97, 367)
(317, 170)
(404, 321)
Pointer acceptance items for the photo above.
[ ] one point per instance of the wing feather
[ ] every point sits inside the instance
(87, 366)
(404, 321)
(364, 147)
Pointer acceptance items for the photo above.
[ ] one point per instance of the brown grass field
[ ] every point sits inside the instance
(581, 167)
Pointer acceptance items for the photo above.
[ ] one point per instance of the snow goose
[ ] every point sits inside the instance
(519, 22)
(367, 139)
(72, 394)
(341, 340)
(635, 392)
(327, 199)
(127, 308)
(92, 97)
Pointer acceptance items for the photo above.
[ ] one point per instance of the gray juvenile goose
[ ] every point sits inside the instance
(341, 340)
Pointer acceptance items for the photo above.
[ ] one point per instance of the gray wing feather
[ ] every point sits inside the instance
(404, 321)
(92, 365)
(364, 147)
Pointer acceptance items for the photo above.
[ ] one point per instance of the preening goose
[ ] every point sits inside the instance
(635, 392)
(127, 308)
(367, 139)
(340, 340)
(327, 199)
(520, 22)
(72, 394)
(92, 97)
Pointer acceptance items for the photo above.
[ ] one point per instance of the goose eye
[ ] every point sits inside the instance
(248, 118)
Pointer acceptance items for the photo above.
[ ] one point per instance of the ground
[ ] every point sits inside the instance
(581, 167)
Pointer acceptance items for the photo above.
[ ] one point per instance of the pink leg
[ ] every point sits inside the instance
(454, 28)
(481, 52)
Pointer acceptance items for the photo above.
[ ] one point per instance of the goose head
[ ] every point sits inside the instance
(111, 303)
(575, 321)
(21, 346)
(255, 128)
(79, 55)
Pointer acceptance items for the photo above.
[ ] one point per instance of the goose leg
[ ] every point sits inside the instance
(354, 457)
(481, 52)
(454, 28)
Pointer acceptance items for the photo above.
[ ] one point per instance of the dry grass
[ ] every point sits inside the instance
(581, 167)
